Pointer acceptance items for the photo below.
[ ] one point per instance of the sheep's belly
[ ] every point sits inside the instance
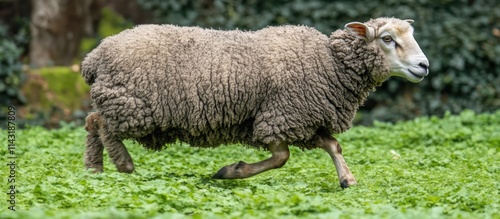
(241, 133)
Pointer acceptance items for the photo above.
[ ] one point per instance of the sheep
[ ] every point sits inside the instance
(271, 88)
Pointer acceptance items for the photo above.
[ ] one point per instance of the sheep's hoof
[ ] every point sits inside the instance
(96, 168)
(125, 168)
(346, 183)
(220, 174)
(233, 171)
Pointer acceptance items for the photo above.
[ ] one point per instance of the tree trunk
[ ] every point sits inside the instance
(57, 27)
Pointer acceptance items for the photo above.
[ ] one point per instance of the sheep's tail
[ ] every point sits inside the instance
(90, 65)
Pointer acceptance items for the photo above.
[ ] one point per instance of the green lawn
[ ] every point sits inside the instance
(425, 168)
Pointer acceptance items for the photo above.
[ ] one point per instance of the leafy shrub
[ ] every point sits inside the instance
(11, 75)
(55, 95)
(460, 38)
(110, 23)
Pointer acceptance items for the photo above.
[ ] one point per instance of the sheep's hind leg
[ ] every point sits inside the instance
(332, 146)
(116, 150)
(240, 170)
(94, 149)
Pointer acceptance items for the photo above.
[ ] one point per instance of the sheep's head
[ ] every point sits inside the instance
(395, 37)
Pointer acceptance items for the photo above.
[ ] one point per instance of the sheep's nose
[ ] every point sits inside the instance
(424, 65)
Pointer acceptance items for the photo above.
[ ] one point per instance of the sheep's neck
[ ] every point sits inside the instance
(352, 70)
(351, 76)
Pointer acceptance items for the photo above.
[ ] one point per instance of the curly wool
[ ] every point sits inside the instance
(160, 83)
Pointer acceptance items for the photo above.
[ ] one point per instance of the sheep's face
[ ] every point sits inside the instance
(402, 52)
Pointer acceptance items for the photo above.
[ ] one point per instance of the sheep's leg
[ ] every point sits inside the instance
(240, 170)
(94, 149)
(98, 136)
(332, 146)
(117, 151)
(93, 152)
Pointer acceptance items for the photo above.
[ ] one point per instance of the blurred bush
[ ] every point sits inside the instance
(461, 39)
(55, 95)
(11, 70)
(110, 23)
(11, 76)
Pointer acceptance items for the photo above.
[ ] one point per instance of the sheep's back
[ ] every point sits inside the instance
(207, 84)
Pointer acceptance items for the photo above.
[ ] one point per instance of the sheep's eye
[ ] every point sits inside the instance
(387, 38)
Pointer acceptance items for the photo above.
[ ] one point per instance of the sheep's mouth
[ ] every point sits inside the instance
(415, 77)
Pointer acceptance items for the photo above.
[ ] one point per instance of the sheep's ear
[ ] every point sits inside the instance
(360, 30)
(410, 21)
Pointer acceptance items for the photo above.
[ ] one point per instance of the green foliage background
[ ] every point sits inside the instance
(457, 37)
(460, 37)
(424, 168)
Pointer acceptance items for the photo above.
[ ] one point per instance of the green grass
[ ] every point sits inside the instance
(425, 168)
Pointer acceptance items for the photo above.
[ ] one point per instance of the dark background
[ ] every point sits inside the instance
(43, 42)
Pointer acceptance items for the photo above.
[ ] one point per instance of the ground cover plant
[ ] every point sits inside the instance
(424, 168)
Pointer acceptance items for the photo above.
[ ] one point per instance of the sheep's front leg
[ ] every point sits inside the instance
(332, 146)
(240, 170)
